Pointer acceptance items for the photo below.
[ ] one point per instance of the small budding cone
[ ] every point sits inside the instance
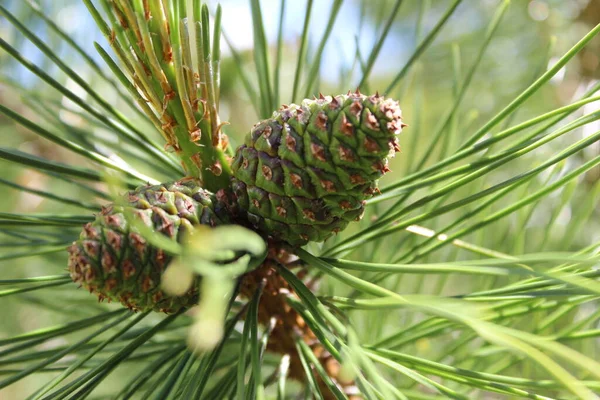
(289, 324)
(305, 173)
(116, 263)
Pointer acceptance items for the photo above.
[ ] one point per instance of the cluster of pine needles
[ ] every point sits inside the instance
(466, 304)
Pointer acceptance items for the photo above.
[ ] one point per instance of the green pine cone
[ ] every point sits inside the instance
(305, 173)
(119, 265)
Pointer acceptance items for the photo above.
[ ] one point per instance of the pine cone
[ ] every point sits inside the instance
(305, 173)
(117, 264)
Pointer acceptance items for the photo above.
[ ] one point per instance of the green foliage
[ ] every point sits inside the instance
(473, 274)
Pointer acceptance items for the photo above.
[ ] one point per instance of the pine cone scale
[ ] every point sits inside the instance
(305, 173)
(120, 265)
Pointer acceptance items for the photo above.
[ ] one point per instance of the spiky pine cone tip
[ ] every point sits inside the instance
(116, 263)
(305, 173)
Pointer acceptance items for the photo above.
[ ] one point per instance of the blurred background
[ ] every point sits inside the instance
(531, 36)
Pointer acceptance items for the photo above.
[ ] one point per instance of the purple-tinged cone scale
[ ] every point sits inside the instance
(114, 262)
